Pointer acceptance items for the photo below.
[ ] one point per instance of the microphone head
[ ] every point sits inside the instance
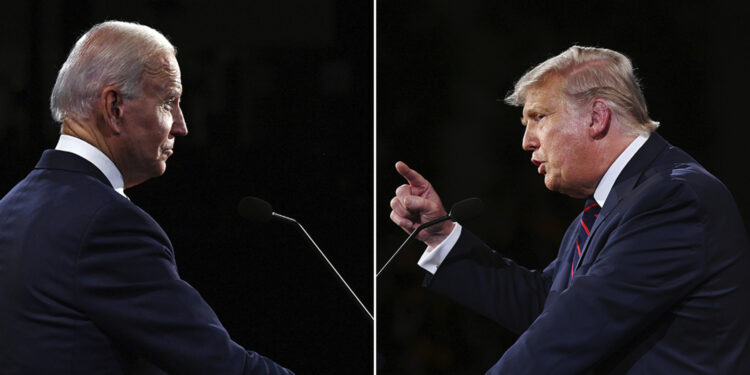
(466, 209)
(255, 209)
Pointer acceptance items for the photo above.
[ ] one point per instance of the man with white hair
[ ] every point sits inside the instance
(88, 280)
(652, 276)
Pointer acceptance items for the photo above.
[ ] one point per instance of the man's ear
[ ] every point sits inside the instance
(601, 116)
(113, 101)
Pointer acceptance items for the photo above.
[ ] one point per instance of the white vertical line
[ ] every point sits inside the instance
(374, 182)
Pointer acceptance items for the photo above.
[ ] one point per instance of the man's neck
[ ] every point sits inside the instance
(87, 131)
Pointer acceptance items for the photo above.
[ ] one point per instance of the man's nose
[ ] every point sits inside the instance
(179, 127)
(529, 142)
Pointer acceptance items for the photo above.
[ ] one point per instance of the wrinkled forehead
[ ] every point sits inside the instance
(164, 71)
(163, 65)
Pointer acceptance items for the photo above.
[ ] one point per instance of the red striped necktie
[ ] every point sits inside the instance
(590, 213)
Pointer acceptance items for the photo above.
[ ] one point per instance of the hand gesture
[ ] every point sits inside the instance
(416, 203)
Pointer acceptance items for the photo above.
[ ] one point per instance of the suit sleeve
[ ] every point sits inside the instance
(651, 260)
(128, 284)
(496, 287)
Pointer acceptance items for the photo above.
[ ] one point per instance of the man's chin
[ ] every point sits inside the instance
(551, 183)
(160, 171)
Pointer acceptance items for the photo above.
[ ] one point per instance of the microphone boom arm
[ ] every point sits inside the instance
(333, 269)
(414, 233)
(463, 210)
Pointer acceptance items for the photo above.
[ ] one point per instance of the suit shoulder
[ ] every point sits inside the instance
(121, 212)
(121, 220)
(681, 183)
(47, 198)
(74, 188)
(679, 171)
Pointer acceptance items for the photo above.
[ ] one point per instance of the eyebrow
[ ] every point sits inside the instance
(172, 88)
(530, 112)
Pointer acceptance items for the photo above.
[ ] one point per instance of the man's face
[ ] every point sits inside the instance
(557, 137)
(150, 123)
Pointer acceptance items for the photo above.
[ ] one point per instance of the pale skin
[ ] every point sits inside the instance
(137, 134)
(572, 147)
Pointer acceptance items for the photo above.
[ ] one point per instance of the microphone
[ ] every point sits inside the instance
(259, 210)
(466, 209)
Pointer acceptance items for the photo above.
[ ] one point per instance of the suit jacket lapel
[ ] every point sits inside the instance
(67, 161)
(626, 182)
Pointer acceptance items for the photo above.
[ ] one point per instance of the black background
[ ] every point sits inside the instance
(278, 103)
(443, 69)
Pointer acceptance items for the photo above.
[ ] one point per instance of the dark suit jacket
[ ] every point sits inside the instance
(89, 285)
(663, 286)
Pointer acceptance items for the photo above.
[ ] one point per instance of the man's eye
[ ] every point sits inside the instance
(170, 103)
(540, 117)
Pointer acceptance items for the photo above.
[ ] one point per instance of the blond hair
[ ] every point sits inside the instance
(589, 73)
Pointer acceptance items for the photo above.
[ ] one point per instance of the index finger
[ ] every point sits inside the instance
(412, 176)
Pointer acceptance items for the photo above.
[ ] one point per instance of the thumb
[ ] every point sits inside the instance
(426, 209)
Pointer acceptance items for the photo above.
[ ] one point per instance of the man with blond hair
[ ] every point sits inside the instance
(650, 278)
(88, 280)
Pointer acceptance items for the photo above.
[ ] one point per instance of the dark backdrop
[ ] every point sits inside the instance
(443, 68)
(278, 102)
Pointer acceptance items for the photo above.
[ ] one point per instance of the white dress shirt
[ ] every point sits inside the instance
(432, 258)
(94, 156)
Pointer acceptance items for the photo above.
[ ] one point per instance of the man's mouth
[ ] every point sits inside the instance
(539, 165)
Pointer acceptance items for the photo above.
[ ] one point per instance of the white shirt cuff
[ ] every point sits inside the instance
(432, 258)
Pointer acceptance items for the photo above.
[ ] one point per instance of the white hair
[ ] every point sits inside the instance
(589, 73)
(112, 53)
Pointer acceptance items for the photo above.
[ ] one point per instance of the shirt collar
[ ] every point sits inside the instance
(95, 156)
(609, 178)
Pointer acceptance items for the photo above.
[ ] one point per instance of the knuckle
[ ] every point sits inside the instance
(394, 202)
(402, 190)
(396, 218)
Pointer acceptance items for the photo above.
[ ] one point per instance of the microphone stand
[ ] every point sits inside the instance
(311, 242)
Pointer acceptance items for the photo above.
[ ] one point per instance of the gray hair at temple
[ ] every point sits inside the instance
(111, 53)
(589, 73)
